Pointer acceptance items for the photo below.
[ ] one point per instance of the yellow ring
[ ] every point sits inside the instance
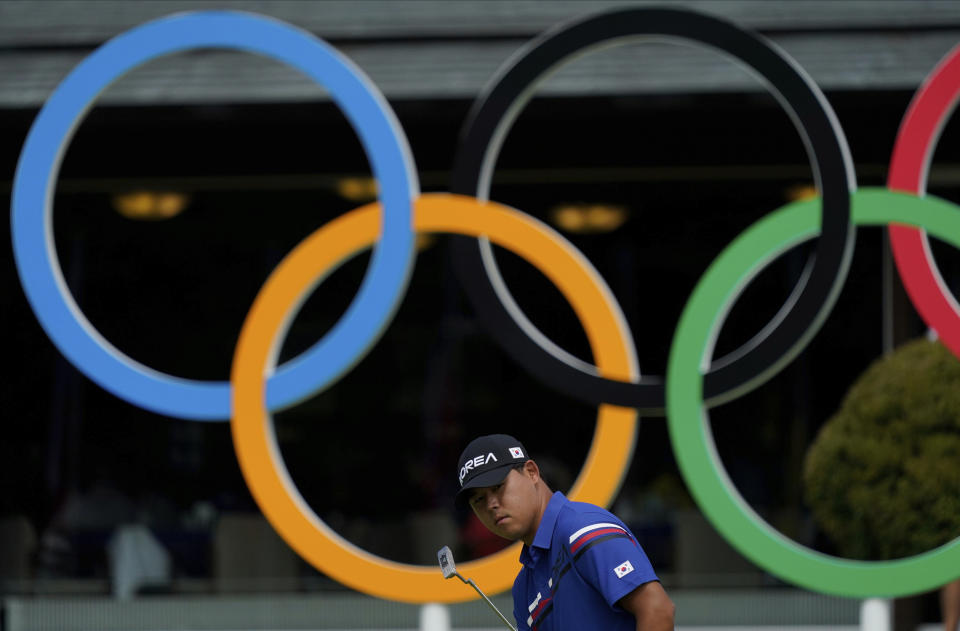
(255, 441)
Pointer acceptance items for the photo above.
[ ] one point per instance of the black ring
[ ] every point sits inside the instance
(759, 359)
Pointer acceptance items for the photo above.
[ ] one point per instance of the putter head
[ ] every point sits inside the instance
(447, 566)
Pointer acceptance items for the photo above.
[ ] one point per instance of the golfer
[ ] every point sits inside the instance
(582, 567)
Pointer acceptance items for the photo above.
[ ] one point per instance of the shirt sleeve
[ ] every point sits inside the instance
(606, 555)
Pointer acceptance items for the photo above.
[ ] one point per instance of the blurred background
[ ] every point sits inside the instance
(193, 175)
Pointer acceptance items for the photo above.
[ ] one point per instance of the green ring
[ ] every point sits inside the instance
(688, 419)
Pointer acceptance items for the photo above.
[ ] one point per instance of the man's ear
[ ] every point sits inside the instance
(531, 470)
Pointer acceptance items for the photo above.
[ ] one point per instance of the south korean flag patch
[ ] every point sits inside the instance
(516, 452)
(623, 569)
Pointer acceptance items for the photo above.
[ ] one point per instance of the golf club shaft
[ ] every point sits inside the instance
(484, 596)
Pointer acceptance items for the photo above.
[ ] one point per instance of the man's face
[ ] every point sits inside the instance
(509, 509)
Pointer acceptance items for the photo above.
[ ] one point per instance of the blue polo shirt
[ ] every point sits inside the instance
(582, 561)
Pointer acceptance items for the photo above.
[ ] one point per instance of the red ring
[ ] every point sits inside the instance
(912, 153)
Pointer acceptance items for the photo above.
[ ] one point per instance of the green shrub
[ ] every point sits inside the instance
(883, 475)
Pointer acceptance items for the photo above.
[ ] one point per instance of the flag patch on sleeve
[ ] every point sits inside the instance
(623, 569)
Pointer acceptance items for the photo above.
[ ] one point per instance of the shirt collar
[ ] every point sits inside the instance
(544, 535)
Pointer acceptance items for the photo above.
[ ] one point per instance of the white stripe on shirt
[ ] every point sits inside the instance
(587, 529)
(536, 601)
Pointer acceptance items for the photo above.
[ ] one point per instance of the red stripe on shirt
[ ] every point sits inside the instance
(592, 535)
(536, 612)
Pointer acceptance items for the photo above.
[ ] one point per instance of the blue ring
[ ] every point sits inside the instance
(35, 181)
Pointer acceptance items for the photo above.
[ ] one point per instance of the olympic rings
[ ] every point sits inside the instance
(694, 379)
(909, 164)
(35, 180)
(790, 330)
(261, 337)
(689, 421)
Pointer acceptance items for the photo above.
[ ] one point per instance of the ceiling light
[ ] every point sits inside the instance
(589, 218)
(357, 189)
(150, 205)
(802, 192)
